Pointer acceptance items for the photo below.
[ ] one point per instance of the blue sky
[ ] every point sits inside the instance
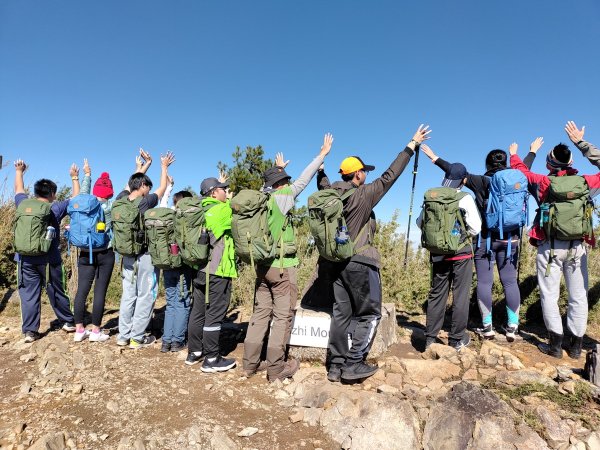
(100, 79)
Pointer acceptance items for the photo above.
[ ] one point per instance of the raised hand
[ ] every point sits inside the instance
(280, 160)
(86, 167)
(223, 177)
(139, 163)
(170, 180)
(513, 148)
(536, 145)
(20, 166)
(327, 142)
(574, 134)
(145, 155)
(425, 149)
(422, 134)
(74, 170)
(167, 160)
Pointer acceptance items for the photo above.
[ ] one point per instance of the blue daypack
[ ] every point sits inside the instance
(507, 208)
(86, 211)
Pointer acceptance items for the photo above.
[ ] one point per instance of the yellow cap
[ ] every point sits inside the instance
(100, 227)
(352, 164)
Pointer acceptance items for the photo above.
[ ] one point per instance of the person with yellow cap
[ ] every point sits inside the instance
(357, 286)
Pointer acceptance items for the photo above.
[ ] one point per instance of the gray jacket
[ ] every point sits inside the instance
(590, 151)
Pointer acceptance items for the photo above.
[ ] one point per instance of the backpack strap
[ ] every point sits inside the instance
(469, 238)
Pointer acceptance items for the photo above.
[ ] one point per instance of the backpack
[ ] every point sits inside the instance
(443, 231)
(328, 224)
(32, 219)
(507, 204)
(250, 227)
(86, 212)
(127, 227)
(160, 234)
(189, 222)
(567, 212)
(591, 369)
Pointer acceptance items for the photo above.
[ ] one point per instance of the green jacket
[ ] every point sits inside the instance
(277, 220)
(218, 222)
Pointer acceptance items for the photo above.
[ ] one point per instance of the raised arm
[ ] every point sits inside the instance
(164, 201)
(86, 186)
(20, 168)
(533, 149)
(589, 150)
(322, 179)
(165, 162)
(300, 184)
(538, 184)
(441, 163)
(74, 172)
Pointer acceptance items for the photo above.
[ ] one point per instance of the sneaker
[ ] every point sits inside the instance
(122, 342)
(78, 337)
(261, 368)
(462, 343)
(177, 346)
(486, 332)
(30, 336)
(192, 358)
(358, 371)
(99, 337)
(511, 332)
(165, 347)
(218, 364)
(289, 369)
(334, 374)
(69, 327)
(145, 342)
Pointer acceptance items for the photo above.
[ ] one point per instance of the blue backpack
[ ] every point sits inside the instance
(86, 211)
(507, 204)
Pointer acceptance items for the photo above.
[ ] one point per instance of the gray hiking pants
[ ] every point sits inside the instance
(572, 263)
(139, 294)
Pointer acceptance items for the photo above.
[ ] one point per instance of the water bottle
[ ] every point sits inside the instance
(100, 227)
(544, 213)
(341, 235)
(174, 248)
(456, 229)
(204, 238)
(50, 233)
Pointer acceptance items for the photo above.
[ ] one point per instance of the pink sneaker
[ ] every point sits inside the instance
(99, 337)
(78, 337)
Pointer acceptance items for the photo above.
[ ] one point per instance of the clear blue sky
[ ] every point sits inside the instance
(102, 78)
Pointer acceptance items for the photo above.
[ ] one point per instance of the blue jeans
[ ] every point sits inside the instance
(177, 289)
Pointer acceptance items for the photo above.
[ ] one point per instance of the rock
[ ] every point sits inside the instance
(312, 416)
(470, 375)
(329, 416)
(556, 432)
(77, 388)
(421, 371)
(436, 384)
(493, 355)
(394, 379)
(25, 387)
(184, 391)
(346, 407)
(567, 387)
(112, 406)
(593, 441)
(452, 421)
(103, 437)
(563, 373)
(386, 389)
(28, 357)
(207, 387)
(247, 432)
(529, 439)
(51, 441)
(229, 392)
(316, 396)
(521, 377)
(220, 441)
(138, 444)
(439, 351)
(298, 416)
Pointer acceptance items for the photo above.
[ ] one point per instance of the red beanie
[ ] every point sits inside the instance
(103, 187)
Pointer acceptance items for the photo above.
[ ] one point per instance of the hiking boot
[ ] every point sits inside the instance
(80, 336)
(145, 342)
(122, 342)
(554, 345)
(217, 364)
(289, 369)
(192, 358)
(30, 336)
(511, 332)
(165, 347)
(459, 344)
(98, 336)
(261, 368)
(334, 374)
(358, 371)
(177, 346)
(486, 332)
(69, 327)
(574, 350)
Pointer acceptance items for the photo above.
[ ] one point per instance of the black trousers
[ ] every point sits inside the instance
(356, 312)
(99, 271)
(459, 275)
(204, 326)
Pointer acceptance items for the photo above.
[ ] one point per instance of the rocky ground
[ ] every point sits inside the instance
(58, 394)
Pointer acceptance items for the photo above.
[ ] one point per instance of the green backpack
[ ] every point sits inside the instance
(328, 225)
(189, 222)
(443, 228)
(567, 212)
(127, 226)
(160, 233)
(250, 227)
(32, 219)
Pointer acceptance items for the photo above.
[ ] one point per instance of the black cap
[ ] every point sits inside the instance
(455, 175)
(209, 184)
(274, 175)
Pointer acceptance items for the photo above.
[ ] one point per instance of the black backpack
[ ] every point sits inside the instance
(591, 370)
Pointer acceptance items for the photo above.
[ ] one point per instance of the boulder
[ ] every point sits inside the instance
(220, 441)
(422, 371)
(556, 431)
(493, 355)
(521, 377)
(51, 441)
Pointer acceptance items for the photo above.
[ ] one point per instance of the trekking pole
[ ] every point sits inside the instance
(410, 208)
